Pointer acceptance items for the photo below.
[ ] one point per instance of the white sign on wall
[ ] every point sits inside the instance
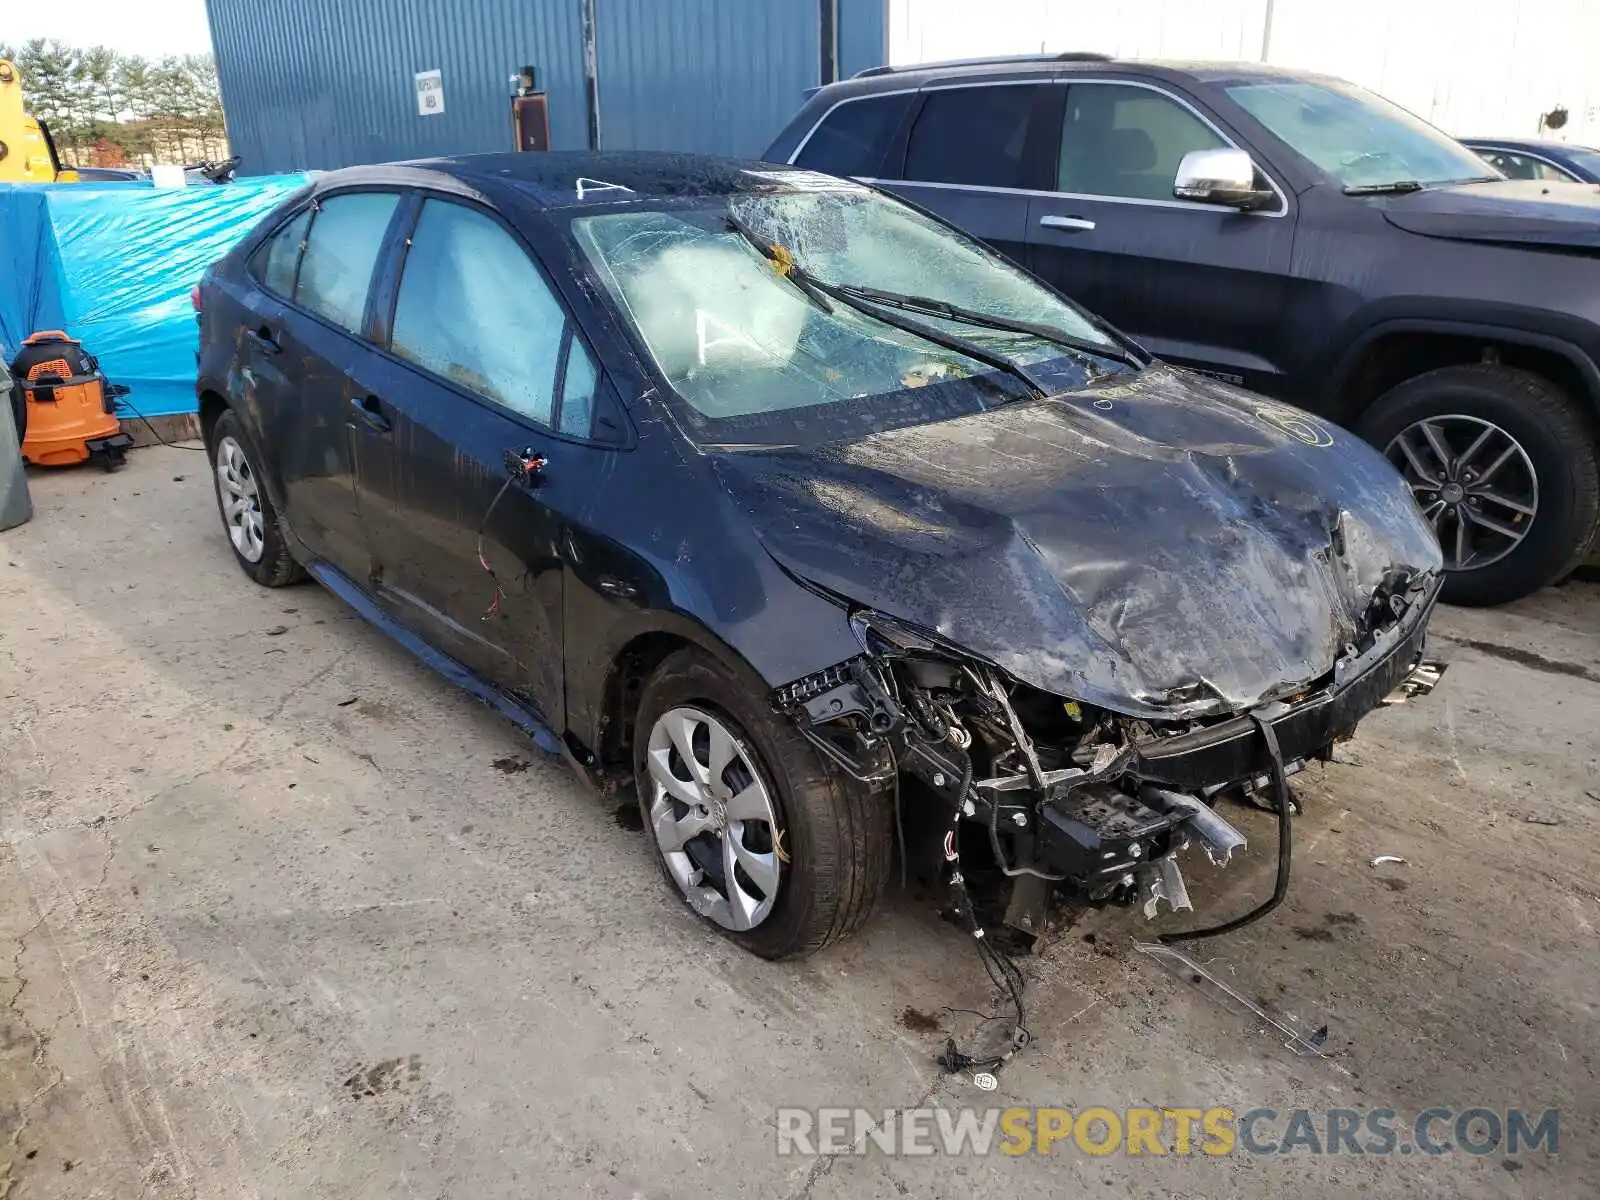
(430, 93)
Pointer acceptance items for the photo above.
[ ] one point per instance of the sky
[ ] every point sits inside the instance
(149, 27)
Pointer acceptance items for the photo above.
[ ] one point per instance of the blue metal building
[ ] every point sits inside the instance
(327, 83)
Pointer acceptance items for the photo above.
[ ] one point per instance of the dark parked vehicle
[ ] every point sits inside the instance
(1292, 233)
(805, 515)
(1538, 158)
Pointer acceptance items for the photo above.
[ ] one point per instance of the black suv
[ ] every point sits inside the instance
(1292, 233)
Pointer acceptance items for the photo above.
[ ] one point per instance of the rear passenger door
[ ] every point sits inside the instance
(482, 360)
(305, 341)
(1200, 284)
(973, 153)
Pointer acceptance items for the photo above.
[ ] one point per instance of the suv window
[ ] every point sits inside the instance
(274, 263)
(1126, 141)
(855, 135)
(974, 135)
(474, 309)
(341, 249)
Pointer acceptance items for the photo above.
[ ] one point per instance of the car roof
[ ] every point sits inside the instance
(563, 179)
(1534, 145)
(1068, 64)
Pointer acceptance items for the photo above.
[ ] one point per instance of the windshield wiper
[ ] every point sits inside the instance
(1397, 187)
(783, 263)
(818, 293)
(967, 316)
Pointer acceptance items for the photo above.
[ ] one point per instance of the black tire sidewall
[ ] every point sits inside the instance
(1520, 403)
(276, 566)
(694, 679)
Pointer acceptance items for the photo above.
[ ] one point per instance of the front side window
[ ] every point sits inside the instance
(1126, 141)
(974, 135)
(474, 309)
(753, 360)
(275, 262)
(1358, 138)
(855, 135)
(341, 250)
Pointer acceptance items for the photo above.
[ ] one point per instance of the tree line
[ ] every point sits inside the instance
(108, 109)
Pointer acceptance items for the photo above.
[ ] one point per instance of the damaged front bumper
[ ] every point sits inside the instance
(1087, 801)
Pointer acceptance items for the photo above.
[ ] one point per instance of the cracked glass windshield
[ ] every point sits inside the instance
(738, 300)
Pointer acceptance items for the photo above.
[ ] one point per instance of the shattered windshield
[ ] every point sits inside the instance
(757, 357)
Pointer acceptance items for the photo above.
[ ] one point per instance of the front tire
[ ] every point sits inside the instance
(248, 516)
(1505, 466)
(752, 829)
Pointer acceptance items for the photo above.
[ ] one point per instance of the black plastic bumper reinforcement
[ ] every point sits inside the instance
(1232, 750)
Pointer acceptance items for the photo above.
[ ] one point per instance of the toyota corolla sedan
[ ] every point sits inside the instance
(808, 518)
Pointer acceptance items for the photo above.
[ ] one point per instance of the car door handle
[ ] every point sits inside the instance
(264, 341)
(1080, 223)
(370, 412)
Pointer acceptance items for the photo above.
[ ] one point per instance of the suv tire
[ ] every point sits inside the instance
(833, 833)
(1551, 430)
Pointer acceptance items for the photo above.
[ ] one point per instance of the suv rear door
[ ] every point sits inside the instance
(972, 154)
(1199, 284)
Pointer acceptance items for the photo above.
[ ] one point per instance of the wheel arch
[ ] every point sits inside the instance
(604, 719)
(1389, 352)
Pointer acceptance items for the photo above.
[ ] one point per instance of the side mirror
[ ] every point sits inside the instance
(1224, 176)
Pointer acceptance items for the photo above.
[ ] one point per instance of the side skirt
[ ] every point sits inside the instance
(525, 717)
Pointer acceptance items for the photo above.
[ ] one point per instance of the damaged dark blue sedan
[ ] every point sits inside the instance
(808, 517)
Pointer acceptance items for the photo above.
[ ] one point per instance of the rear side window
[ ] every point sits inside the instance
(275, 262)
(855, 135)
(474, 309)
(976, 136)
(336, 270)
(1127, 141)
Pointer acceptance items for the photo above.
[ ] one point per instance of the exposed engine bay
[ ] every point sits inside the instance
(1094, 803)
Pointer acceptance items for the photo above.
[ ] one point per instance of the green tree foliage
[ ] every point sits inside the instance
(163, 110)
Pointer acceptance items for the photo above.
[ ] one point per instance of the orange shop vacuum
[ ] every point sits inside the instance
(68, 415)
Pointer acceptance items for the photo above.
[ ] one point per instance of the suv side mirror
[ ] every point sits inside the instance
(1224, 176)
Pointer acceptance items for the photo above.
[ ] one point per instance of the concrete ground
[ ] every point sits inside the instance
(284, 915)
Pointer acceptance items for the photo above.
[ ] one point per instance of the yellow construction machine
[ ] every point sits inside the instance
(27, 155)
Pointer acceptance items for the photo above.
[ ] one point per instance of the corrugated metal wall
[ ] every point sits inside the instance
(1487, 67)
(327, 83)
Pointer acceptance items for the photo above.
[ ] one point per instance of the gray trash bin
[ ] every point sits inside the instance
(15, 507)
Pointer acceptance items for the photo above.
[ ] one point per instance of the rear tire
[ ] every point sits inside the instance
(836, 834)
(1559, 442)
(264, 555)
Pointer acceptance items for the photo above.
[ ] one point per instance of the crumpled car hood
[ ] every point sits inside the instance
(1516, 211)
(1166, 547)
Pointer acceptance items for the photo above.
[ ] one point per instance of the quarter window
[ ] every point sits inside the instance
(1126, 141)
(976, 136)
(336, 270)
(275, 262)
(474, 309)
(854, 136)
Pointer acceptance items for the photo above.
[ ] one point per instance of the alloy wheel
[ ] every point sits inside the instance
(1474, 483)
(713, 818)
(241, 501)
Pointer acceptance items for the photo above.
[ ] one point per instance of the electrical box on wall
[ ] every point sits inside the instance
(530, 112)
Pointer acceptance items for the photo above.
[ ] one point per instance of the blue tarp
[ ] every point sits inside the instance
(113, 265)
